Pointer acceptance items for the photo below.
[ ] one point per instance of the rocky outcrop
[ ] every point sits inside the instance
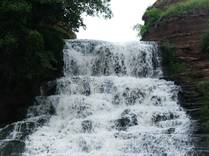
(185, 32)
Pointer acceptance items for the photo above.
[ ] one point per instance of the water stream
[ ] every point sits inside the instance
(110, 102)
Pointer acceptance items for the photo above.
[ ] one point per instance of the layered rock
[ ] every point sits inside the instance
(185, 32)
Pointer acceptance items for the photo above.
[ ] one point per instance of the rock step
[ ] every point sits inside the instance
(199, 153)
(12, 148)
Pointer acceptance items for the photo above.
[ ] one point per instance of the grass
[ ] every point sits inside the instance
(154, 14)
(185, 7)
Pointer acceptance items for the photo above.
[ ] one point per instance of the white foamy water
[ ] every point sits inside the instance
(110, 102)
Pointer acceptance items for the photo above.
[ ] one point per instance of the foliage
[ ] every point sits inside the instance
(185, 7)
(31, 36)
(154, 14)
(89, 7)
(170, 61)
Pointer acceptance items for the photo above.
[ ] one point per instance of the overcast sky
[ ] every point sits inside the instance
(126, 14)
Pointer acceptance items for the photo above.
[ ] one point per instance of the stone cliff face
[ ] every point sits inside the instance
(185, 32)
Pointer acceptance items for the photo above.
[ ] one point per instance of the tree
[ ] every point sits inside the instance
(31, 36)
(75, 8)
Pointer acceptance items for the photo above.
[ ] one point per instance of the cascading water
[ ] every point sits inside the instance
(110, 102)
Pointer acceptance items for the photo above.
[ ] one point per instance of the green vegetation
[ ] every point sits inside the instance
(185, 7)
(205, 43)
(203, 88)
(154, 14)
(31, 37)
(170, 61)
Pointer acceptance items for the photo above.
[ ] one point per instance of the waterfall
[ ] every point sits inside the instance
(110, 102)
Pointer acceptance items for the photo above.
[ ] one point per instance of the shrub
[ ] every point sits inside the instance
(152, 15)
(185, 7)
(31, 38)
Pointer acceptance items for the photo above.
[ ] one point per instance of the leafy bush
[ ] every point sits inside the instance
(154, 14)
(185, 7)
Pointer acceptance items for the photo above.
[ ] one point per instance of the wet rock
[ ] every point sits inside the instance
(20, 130)
(163, 117)
(74, 67)
(87, 126)
(12, 148)
(156, 100)
(126, 92)
(95, 68)
(119, 64)
(81, 109)
(84, 145)
(87, 89)
(133, 96)
(159, 118)
(127, 119)
(125, 136)
(83, 112)
(125, 112)
(170, 130)
(26, 128)
(116, 100)
(164, 154)
(4, 132)
(123, 123)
